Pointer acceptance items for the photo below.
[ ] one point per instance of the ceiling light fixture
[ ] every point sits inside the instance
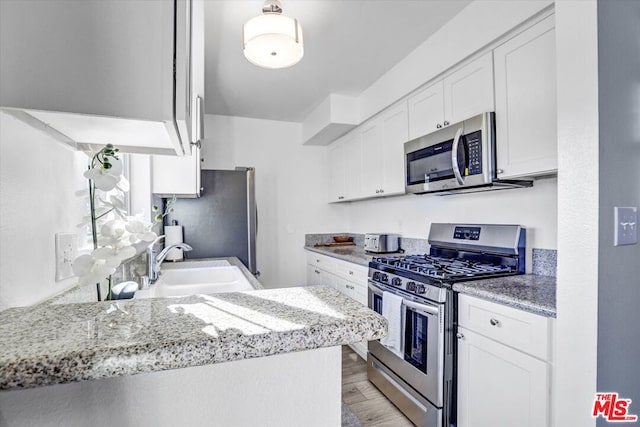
(273, 40)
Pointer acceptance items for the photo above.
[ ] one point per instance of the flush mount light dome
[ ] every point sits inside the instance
(273, 40)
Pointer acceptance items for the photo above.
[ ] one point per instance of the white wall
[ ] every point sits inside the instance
(411, 215)
(38, 181)
(291, 189)
(575, 345)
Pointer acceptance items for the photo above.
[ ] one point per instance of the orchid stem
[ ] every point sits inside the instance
(106, 213)
(109, 291)
(94, 232)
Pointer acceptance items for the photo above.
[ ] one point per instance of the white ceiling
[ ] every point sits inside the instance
(348, 45)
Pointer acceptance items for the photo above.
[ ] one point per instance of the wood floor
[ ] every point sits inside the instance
(363, 398)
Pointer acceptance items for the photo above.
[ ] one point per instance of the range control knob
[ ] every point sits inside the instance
(411, 286)
(396, 281)
(420, 289)
(384, 277)
(376, 276)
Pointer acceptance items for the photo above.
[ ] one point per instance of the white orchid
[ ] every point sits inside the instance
(107, 172)
(139, 231)
(113, 232)
(91, 270)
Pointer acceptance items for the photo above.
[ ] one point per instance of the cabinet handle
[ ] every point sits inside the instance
(494, 322)
(499, 171)
(439, 126)
(446, 123)
(460, 335)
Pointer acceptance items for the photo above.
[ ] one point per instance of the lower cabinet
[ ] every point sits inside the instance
(348, 278)
(499, 382)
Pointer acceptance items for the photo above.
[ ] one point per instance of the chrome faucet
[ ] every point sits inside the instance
(154, 259)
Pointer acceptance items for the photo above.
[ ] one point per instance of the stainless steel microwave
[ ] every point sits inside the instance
(458, 158)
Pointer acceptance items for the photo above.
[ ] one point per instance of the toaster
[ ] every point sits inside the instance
(381, 242)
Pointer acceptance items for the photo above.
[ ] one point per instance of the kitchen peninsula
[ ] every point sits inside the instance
(267, 357)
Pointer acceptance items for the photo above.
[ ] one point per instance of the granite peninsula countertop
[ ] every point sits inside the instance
(59, 343)
(528, 292)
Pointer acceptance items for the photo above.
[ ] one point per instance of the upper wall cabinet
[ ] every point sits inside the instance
(369, 161)
(96, 72)
(179, 176)
(463, 94)
(383, 141)
(525, 78)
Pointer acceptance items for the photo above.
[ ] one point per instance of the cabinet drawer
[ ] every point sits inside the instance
(321, 261)
(350, 271)
(516, 328)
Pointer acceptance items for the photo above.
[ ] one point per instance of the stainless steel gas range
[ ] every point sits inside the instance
(414, 366)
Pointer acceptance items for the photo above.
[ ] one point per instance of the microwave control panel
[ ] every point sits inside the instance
(474, 145)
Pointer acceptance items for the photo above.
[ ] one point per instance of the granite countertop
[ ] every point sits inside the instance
(532, 293)
(354, 254)
(63, 342)
(528, 292)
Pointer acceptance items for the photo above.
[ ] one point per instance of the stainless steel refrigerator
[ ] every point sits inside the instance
(223, 221)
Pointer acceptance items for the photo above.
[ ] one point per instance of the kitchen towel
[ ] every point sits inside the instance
(392, 311)
(173, 235)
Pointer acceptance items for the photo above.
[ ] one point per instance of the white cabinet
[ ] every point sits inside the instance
(180, 176)
(525, 79)
(503, 365)
(469, 90)
(465, 93)
(91, 73)
(372, 158)
(348, 278)
(383, 141)
(345, 168)
(426, 110)
(337, 163)
(353, 162)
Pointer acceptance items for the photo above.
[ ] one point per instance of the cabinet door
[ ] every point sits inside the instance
(469, 91)
(336, 172)
(176, 175)
(426, 110)
(314, 275)
(372, 134)
(395, 123)
(499, 386)
(526, 137)
(353, 165)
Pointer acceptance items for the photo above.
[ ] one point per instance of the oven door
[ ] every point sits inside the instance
(422, 323)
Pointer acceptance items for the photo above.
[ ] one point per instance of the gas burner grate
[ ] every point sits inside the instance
(442, 267)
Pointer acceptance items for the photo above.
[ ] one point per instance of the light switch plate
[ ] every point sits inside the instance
(626, 226)
(66, 249)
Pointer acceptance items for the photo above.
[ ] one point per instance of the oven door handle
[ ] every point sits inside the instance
(454, 157)
(376, 290)
(422, 308)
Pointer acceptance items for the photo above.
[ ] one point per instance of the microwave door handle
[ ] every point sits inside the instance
(454, 157)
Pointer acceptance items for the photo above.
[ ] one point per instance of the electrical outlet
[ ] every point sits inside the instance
(66, 249)
(626, 226)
